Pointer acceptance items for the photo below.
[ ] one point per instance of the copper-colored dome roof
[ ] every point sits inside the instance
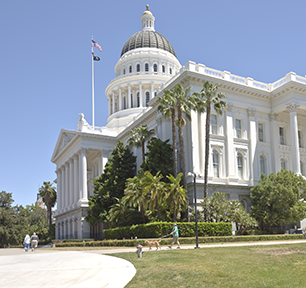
(147, 39)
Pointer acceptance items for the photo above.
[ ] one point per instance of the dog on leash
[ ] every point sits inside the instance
(152, 243)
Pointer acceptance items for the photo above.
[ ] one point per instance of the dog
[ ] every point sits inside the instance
(152, 243)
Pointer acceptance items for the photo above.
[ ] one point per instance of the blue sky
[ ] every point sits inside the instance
(45, 65)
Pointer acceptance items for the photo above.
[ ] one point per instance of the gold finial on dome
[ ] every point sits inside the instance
(147, 11)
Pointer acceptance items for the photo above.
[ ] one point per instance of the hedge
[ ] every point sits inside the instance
(185, 240)
(158, 229)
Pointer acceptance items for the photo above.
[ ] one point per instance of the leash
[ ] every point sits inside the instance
(165, 236)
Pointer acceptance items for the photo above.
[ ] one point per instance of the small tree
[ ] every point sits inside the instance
(159, 158)
(138, 137)
(111, 184)
(278, 199)
(48, 195)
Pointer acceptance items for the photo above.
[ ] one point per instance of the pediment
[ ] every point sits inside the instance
(63, 140)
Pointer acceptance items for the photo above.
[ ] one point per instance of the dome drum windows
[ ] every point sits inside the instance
(155, 68)
(163, 69)
(130, 69)
(147, 98)
(146, 67)
(138, 67)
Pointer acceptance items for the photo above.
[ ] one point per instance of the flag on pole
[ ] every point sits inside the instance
(96, 58)
(95, 44)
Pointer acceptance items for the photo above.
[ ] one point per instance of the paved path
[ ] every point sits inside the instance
(48, 268)
(88, 268)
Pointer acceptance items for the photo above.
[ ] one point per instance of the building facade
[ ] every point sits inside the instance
(262, 130)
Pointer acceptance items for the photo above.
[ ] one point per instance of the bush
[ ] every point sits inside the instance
(159, 229)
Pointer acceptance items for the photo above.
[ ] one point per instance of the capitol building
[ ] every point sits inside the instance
(262, 130)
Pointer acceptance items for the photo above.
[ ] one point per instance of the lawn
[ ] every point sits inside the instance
(252, 266)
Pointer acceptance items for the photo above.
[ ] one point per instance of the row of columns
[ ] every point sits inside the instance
(250, 159)
(72, 179)
(72, 228)
(111, 104)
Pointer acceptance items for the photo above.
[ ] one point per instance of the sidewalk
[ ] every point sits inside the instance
(51, 268)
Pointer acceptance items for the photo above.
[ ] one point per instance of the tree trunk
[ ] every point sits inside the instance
(143, 151)
(174, 142)
(174, 211)
(158, 210)
(181, 139)
(207, 126)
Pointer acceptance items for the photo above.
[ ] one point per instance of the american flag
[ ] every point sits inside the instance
(95, 44)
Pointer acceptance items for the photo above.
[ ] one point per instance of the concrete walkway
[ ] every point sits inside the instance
(87, 268)
(48, 268)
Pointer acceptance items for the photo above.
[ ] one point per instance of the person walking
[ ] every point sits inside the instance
(26, 243)
(34, 241)
(175, 234)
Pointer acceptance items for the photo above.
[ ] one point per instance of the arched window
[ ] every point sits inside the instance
(130, 69)
(138, 100)
(132, 105)
(240, 166)
(138, 67)
(216, 163)
(283, 163)
(262, 161)
(163, 68)
(147, 98)
(146, 67)
(155, 67)
(123, 71)
(170, 70)
(124, 102)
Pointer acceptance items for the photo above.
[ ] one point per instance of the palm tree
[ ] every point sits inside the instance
(166, 106)
(139, 136)
(208, 96)
(155, 188)
(135, 195)
(177, 194)
(48, 195)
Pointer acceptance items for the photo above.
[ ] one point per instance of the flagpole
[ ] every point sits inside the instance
(92, 86)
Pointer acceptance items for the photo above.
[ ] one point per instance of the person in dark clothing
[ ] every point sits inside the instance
(34, 241)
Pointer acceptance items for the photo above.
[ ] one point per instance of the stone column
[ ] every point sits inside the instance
(63, 188)
(100, 163)
(295, 150)
(76, 179)
(275, 143)
(195, 142)
(65, 229)
(140, 96)
(83, 174)
(71, 182)
(113, 99)
(152, 90)
(105, 156)
(59, 188)
(253, 142)
(66, 185)
(109, 106)
(56, 231)
(230, 159)
(120, 100)
(129, 97)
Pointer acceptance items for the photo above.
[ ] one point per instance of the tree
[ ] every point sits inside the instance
(48, 195)
(176, 195)
(135, 195)
(158, 158)
(167, 104)
(139, 136)
(208, 96)
(155, 188)
(278, 199)
(111, 184)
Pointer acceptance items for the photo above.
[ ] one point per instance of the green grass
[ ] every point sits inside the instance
(252, 266)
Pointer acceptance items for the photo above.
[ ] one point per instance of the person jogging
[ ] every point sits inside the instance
(175, 234)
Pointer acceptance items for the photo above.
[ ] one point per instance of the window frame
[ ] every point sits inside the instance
(261, 134)
(216, 165)
(262, 164)
(138, 68)
(238, 129)
(281, 136)
(155, 66)
(147, 98)
(240, 167)
(147, 68)
(215, 125)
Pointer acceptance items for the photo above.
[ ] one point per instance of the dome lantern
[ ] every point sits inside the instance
(147, 20)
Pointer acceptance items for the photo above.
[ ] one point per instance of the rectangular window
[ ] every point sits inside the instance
(238, 128)
(300, 139)
(213, 124)
(281, 136)
(260, 132)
